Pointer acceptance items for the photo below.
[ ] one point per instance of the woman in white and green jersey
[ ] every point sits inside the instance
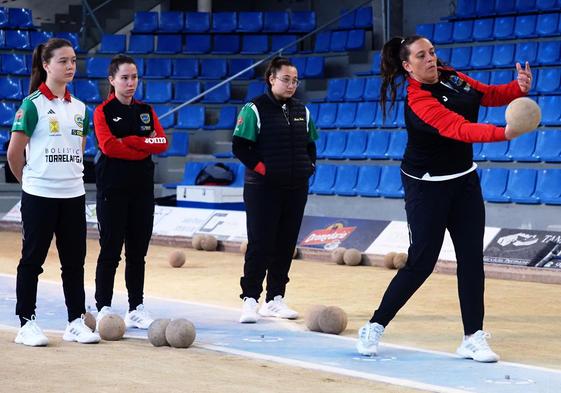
(46, 156)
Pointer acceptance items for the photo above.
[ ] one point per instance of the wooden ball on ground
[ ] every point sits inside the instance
(399, 260)
(332, 320)
(337, 255)
(176, 258)
(352, 257)
(112, 327)
(388, 260)
(523, 115)
(311, 317)
(180, 333)
(209, 243)
(89, 320)
(157, 332)
(196, 242)
(243, 247)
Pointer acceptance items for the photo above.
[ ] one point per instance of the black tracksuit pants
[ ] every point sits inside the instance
(433, 207)
(41, 218)
(124, 217)
(274, 215)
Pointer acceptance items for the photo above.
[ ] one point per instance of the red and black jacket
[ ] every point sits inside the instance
(127, 136)
(441, 121)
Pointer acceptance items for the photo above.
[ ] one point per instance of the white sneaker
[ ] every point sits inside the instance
(475, 347)
(277, 308)
(249, 310)
(368, 338)
(31, 334)
(139, 318)
(79, 332)
(105, 310)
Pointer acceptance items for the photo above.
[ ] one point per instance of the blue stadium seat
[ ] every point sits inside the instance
(377, 145)
(13, 63)
(239, 174)
(522, 185)
(346, 22)
(10, 88)
(495, 115)
(191, 117)
(396, 146)
(372, 89)
(368, 180)
(548, 146)
(525, 26)
(250, 21)
(336, 90)
(185, 68)
(197, 22)
(7, 113)
(321, 142)
(300, 64)
(315, 66)
(493, 184)
(444, 54)
(335, 145)
(168, 44)
(224, 22)
(87, 90)
(72, 37)
(548, 81)
(113, 43)
(548, 52)
(345, 181)
(503, 55)
(375, 65)
(255, 44)
(548, 186)
(323, 42)
(346, 113)
(477, 147)
(275, 21)
(145, 22)
(39, 37)
(17, 39)
(197, 44)
(505, 6)
(21, 18)
(139, 66)
(185, 90)
(324, 179)
(463, 30)
(338, 41)
(465, 8)
(226, 44)
(461, 56)
(547, 5)
(139, 94)
(141, 43)
(501, 77)
(443, 32)
(91, 148)
(366, 114)
(355, 40)
(171, 21)
(547, 25)
(522, 148)
(254, 89)
(483, 28)
(302, 21)
(481, 76)
(482, 114)
(178, 146)
(363, 18)
(525, 6)
(283, 41)
(190, 173)
(4, 18)
(354, 89)
(238, 65)
(356, 145)
(504, 28)
(157, 67)
(168, 121)
(157, 91)
(390, 185)
(496, 151)
(226, 119)
(313, 109)
(390, 120)
(219, 95)
(551, 110)
(213, 68)
(327, 115)
(425, 30)
(526, 51)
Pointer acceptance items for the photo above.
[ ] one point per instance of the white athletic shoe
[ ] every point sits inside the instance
(139, 318)
(105, 310)
(249, 310)
(31, 334)
(368, 338)
(79, 332)
(475, 347)
(277, 308)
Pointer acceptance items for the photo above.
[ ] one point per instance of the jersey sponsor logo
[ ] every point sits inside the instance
(54, 127)
(299, 119)
(19, 114)
(156, 140)
(116, 119)
(51, 112)
(79, 120)
(76, 132)
(145, 117)
(63, 154)
(240, 121)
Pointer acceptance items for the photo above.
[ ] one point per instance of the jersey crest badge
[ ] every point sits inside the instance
(145, 117)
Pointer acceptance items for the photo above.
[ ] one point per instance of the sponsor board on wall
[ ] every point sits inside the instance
(525, 248)
(176, 221)
(225, 225)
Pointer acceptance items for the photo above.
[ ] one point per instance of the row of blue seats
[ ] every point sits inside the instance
(500, 28)
(28, 40)
(357, 115)
(16, 18)
(194, 117)
(478, 8)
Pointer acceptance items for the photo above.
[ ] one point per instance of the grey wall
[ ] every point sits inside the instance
(425, 11)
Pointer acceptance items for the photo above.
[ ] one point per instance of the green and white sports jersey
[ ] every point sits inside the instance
(249, 123)
(54, 158)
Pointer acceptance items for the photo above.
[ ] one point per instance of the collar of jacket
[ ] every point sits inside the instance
(271, 96)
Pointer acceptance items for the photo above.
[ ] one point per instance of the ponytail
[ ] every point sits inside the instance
(43, 54)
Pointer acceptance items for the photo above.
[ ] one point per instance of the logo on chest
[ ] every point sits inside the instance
(145, 118)
(54, 126)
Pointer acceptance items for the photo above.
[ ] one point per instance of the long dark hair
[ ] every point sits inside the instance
(394, 52)
(116, 62)
(275, 65)
(43, 53)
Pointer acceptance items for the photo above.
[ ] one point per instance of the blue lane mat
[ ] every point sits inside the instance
(285, 342)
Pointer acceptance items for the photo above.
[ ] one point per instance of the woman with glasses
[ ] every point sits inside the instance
(274, 138)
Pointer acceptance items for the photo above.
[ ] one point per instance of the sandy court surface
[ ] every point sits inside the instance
(524, 319)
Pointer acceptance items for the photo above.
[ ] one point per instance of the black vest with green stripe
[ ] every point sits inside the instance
(282, 142)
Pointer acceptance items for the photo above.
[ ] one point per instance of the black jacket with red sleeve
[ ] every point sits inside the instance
(127, 136)
(441, 121)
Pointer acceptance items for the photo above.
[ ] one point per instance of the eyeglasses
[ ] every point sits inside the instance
(288, 82)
